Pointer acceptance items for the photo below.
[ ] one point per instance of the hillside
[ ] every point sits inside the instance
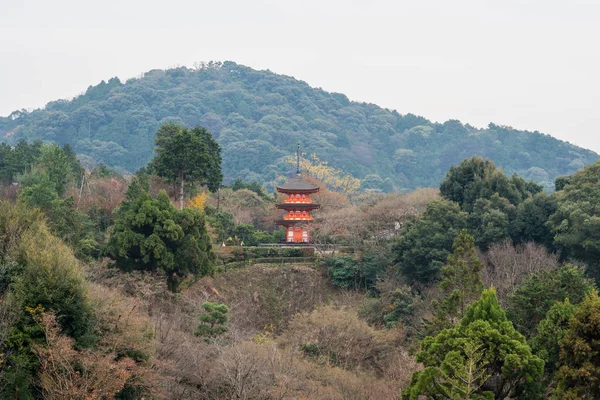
(258, 116)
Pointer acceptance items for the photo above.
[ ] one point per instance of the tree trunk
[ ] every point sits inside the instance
(181, 192)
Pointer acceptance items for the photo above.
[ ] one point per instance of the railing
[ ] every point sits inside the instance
(298, 201)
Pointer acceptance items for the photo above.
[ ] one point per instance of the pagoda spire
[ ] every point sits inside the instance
(298, 160)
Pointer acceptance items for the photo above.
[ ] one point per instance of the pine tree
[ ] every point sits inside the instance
(212, 322)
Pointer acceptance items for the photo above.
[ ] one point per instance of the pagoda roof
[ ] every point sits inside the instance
(297, 184)
(291, 222)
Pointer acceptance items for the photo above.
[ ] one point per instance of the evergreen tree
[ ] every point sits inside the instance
(551, 330)
(423, 246)
(150, 234)
(187, 155)
(212, 322)
(461, 279)
(504, 355)
(531, 300)
(579, 375)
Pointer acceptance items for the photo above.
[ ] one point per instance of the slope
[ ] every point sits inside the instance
(258, 116)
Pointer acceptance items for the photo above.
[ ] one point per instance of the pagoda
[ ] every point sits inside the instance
(297, 206)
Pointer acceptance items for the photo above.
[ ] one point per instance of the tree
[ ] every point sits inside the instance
(199, 201)
(490, 220)
(187, 155)
(531, 221)
(576, 222)
(423, 246)
(476, 178)
(532, 299)
(150, 234)
(485, 340)
(461, 278)
(212, 322)
(579, 375)
(550, 332)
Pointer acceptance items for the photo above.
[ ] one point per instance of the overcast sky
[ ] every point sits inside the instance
(529, 64)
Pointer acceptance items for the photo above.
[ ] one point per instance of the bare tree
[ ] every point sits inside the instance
(508, 265)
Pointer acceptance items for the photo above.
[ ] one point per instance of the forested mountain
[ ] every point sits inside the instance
(258, 116)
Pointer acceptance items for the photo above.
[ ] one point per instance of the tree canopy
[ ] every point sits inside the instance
(258, 116)
(487, 341)
(150, 234)
(187, 155)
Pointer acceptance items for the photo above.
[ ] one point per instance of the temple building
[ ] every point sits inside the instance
(297, 206)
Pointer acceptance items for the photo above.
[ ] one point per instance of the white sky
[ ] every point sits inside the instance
(530, 64)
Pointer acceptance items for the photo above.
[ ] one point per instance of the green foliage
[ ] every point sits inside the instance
(550, 332)
(576, 222)
(250, 237)
(476, 178)
(491, 220)
(401, 307)
(423, 246)
(257, 116)
(579, 374)
(38, 272)
(254, 187)
(349, 273)
(484, 339)
(461, 279)
(187, 155)
(532, 299)
(16, 160)
(531, 220)
(212, 322)
(344, 272)
(150, 234)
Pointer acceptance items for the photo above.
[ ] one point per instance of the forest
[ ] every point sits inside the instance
(257, 117)
(153, 286)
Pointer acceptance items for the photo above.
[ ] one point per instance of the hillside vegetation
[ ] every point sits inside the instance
(483, 289)
(258, 116)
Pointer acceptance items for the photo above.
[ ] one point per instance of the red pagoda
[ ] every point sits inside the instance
(297, 206)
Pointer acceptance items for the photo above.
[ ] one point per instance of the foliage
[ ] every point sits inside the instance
(576, 222)
(66, 373)
(40, 274)
(550, 332)
(508, 265)
(349, 273)
(187, 155)
(335, 337)
(461, 279)
(257, 117)
(17, 159)
(400, 307)
(484, 339)
(150, 234)
(476, 178)
(532, 299)
(212, 322)
(44, 186)
(198, 202)
(334, 178)
(253, 186)
(344, 272)
(423, 246)
(579, 374)
(531, 220)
